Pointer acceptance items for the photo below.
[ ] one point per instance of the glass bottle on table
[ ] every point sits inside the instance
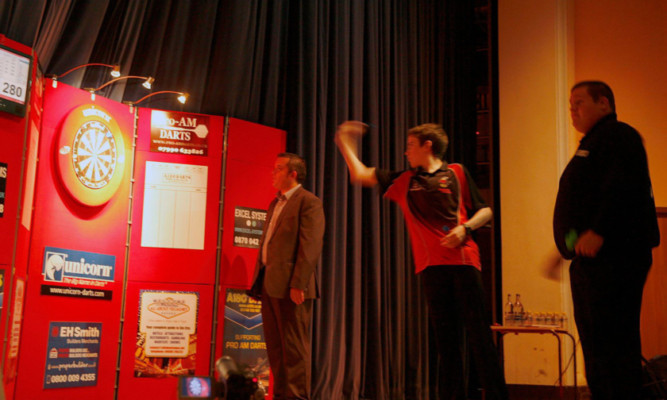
(528, 321)
(518, 311)
(550, 319)
(509, 311)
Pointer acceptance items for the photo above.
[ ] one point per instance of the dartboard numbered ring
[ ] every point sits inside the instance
(91, 155)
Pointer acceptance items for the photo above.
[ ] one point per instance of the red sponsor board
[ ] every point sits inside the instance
(176, 208)
(76, 229)
(252, 150)
(83, 151)
(19, 153)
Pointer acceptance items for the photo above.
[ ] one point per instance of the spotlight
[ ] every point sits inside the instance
(149, 82)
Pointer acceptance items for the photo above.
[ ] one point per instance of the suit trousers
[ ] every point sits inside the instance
(457, 313)
(607, 298)
(287, 336)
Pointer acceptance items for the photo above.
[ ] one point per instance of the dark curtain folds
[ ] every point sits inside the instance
(303, 66)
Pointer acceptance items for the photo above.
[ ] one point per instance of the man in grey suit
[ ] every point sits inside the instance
(290, 248)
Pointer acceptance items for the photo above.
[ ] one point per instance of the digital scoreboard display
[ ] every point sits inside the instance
(196, 387)
(14, 81)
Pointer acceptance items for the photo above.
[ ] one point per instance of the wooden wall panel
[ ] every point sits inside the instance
(654, 306)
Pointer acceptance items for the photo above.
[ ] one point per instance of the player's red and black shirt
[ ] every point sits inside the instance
(433, 204)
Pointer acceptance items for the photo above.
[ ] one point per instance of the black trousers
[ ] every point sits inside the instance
(607, 298)
(456, 310)
(287, 336)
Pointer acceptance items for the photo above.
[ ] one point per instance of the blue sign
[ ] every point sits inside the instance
(72, 355)
(244, 335)
(64, 263)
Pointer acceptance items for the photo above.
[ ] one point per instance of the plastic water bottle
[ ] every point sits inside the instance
(518, 310)
(509, 311)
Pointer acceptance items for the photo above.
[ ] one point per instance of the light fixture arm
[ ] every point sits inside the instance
(149, 80)
(182, 97)
(116, 68)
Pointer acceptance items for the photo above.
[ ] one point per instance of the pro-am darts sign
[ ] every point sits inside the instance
(179, 133)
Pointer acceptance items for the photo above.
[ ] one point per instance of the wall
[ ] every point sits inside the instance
(624, 43)
(545, 47)
(654, 312)
(534, 68)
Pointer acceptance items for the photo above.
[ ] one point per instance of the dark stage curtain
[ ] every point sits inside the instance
(303, 66)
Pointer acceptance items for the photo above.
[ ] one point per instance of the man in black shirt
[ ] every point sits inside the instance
(605, 221)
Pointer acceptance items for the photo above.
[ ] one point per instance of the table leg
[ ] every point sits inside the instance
(560, 365)
(574, 361)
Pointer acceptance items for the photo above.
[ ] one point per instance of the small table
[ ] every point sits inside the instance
(501, 330)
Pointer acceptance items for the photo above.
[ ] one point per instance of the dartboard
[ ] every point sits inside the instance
(94, 154)
(91, 155)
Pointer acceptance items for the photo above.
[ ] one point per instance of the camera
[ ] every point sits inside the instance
(236, 384)
(230, 384)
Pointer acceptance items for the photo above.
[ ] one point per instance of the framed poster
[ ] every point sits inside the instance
(167, 336)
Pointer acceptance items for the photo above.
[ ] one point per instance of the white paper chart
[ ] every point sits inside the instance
(174, 206)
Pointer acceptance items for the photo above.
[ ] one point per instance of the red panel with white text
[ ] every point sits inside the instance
(20, 119)
(77, 253)
(176, 197)
(252, 150)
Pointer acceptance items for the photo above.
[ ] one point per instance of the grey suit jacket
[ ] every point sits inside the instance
(294, 247)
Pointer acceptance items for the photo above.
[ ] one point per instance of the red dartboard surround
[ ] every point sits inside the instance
(91, 155)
